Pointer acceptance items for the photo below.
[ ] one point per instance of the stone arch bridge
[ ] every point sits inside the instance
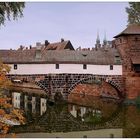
(65, 83)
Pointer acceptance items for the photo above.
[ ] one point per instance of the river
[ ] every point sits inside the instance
(88, 117)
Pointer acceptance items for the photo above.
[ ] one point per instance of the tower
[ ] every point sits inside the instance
(104, 40)
(97, 45)
(128, 44)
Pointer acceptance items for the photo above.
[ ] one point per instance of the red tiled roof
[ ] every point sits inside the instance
(54, 46)
(57, 46)
(131, 29)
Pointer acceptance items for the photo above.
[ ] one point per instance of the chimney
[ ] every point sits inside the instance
(46, 43)
(38, 44)
(21, 47)
(62, 39)
(30, 47)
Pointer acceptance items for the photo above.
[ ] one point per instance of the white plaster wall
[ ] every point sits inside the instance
(65, 68)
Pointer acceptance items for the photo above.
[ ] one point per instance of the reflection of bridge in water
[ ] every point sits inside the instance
(59, 119)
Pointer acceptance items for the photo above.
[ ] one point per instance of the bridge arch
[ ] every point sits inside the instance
(67, 82)
(99, 79)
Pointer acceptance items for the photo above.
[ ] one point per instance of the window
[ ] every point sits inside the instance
(117, 59)
(57, 66)
(15, 66)
(120, 40)
(136, 67)
(111, 67)
(136, 38)
(84, 66)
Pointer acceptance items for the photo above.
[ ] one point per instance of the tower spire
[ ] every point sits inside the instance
(105, 40)
(98, 38)
(98, 45)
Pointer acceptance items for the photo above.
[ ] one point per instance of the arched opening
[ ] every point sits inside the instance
(96, 86)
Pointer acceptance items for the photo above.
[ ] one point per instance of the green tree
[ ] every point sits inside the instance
(133, 13)
(10, 10)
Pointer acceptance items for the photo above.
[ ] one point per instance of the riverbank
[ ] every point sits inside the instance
(102, 133)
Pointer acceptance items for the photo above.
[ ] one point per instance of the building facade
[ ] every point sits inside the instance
(128, 44)
(118, 58)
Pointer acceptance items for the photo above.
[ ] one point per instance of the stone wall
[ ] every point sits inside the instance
(129, 47)
(132, 85)
(65, 83)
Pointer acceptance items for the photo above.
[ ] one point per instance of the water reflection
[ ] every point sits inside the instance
(85, 114)
(36, 105)
(64, 117)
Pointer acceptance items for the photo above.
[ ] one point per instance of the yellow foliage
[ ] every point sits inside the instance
(15, 114)
(2, 112)
(19, 114)
(4, 69)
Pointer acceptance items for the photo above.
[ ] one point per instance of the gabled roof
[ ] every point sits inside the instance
(99, 57)
(133, 29)
(52, 46)
(60, 46)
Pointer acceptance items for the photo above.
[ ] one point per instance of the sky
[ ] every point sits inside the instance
(78, 22)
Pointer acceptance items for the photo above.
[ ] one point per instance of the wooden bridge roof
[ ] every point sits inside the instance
(99, 57)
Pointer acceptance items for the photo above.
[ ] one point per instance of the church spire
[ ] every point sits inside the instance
(105, 40)
(98, 38)
(98, 45)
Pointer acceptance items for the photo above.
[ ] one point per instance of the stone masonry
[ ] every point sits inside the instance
(128, 44)
(65, 83)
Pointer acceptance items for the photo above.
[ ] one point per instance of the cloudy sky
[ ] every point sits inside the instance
(74, 21)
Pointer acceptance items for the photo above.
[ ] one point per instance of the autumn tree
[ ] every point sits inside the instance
(10, 10)
(14, 115)
(133, 13)
(4, 69)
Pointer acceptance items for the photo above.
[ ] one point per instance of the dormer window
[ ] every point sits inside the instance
(117, 59)
(84, 55)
